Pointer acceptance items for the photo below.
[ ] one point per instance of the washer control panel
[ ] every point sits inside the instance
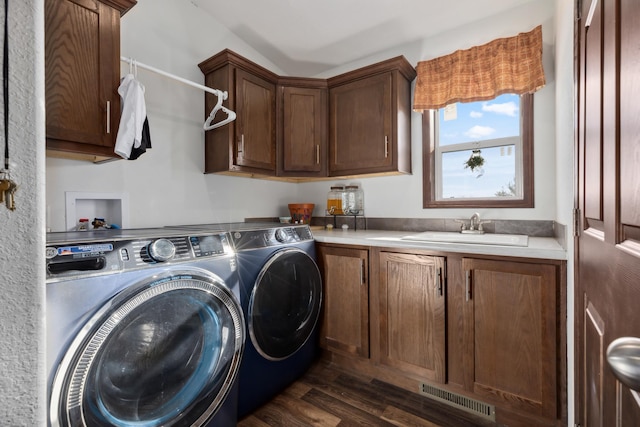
(104, 257)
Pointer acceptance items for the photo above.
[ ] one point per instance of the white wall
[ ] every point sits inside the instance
(565, 174)
(22, 376)
(166, 185)
(402, 196)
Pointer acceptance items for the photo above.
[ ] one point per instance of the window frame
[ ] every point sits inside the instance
(429, 123)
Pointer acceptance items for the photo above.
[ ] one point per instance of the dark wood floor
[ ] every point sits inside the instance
(329, 396)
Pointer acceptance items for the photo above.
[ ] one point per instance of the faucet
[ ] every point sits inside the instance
(474, 222)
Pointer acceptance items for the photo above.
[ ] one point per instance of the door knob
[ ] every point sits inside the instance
(623, 356)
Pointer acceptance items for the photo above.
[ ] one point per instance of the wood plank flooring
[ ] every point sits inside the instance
(329, 396)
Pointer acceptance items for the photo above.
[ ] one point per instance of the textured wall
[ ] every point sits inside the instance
(22, 377)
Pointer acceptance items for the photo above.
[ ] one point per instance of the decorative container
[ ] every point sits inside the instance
(301, 212)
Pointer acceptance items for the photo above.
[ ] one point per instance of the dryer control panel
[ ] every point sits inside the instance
(277, 236)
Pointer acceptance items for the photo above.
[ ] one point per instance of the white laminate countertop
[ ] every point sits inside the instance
(538, 247)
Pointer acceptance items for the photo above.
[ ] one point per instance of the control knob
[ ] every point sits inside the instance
(161, 250)
(281, 235)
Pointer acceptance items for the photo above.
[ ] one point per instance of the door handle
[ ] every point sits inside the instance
(623, 357)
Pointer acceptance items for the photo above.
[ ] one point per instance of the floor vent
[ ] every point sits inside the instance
(458, 401)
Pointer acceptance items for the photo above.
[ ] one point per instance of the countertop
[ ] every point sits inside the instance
(538, 247)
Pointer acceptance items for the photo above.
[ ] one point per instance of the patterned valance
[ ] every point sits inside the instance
(506, 65)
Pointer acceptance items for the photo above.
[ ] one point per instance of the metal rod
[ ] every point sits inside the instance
(216, 92)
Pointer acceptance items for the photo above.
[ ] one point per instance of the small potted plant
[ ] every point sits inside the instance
(475, 160)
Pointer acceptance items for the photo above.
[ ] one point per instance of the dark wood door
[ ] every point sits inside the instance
(361, 134)
(303, 144)
(82, 72)
(345, 325)
(255, 123)
(607, 289)
(412, 314)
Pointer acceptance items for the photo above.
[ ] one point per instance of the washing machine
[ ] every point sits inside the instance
(281, 297)
(144, 328)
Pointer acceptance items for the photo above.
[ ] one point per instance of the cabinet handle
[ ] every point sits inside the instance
(362, 273)
(317, 154)
(241, 145)
(108, 117)
(386, 146)
(439, 284)
(468, 285)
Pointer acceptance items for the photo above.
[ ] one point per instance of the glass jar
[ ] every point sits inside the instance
(334, 200)
(353, 201)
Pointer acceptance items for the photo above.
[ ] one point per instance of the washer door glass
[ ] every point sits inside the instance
(164, 353)
(285, 304)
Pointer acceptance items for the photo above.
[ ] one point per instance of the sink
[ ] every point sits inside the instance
(478, 239)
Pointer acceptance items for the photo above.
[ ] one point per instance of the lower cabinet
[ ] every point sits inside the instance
(345, 324)
(491, 329)
(512, 317)
(411, 313)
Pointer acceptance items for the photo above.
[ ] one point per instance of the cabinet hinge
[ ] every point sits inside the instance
(576, 222)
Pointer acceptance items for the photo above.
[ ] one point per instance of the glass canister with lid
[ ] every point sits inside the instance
(335, 200)
(353, 202)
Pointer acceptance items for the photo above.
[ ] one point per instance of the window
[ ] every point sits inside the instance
(479, 154)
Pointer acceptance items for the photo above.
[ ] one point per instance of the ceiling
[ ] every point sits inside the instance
(308, 37)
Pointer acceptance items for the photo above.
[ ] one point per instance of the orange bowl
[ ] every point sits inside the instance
(301, 212)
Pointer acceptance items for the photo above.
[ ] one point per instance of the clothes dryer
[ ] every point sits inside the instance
(144, 327)
(281, 296)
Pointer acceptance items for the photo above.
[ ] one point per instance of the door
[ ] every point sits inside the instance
(165, 351)
(255, 123)
(607, 287)
(361, 135)
(412, 314)
(345, 325)
(302, 146)
(285, 304)
(514, 344)
(82, 72)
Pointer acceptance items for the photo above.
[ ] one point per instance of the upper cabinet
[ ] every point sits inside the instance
(370, 119)
(248, 144)
(82, 75)
(302, 127)
(297, 128)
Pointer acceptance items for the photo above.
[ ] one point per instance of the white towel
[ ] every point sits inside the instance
(134, 113)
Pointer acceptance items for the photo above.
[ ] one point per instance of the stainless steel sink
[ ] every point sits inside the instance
(478, 239)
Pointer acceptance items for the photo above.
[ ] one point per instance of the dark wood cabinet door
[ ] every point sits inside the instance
(345, 325)
(514, 321)
(607, 288)
(361, 135)
(82, 73)
(255, 145)
(303, 143)
(412, 314)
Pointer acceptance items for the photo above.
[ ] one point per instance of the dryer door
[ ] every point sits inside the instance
(285, 304)
(163, 352)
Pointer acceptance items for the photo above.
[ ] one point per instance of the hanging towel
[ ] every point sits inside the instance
(132, 139)
(144, 144)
